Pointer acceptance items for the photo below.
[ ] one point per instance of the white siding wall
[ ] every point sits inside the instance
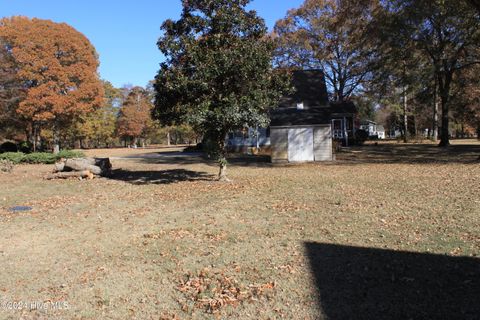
(300, 145)
(279, 144)
(322, 141)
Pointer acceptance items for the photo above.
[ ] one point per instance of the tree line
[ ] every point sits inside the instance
(412, 64)
(415, 63)
(51, 94)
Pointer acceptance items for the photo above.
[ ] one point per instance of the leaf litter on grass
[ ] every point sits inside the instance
(212, 290)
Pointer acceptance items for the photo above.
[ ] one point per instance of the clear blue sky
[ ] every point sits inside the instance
(124, 32)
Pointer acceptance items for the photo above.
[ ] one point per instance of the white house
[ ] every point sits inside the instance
(374, 130)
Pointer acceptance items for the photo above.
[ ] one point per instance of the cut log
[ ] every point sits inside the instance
(97, 166)
(59, 166)
(81, 164)
(72, 174)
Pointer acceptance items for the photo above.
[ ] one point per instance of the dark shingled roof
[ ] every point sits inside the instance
(312, 91)
(345, 107)
(294, 117)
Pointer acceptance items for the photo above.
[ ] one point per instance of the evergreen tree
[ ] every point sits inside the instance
(218, 75)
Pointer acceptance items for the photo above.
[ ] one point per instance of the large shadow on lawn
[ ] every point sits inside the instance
(159, 177)
(186, 158)
(366, 283)
(410, 154)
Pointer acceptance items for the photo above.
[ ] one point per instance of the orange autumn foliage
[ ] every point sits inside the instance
(57, 65)
(134, 117)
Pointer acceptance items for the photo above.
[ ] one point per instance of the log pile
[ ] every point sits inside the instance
(82, 168)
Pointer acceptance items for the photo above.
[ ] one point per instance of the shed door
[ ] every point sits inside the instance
(300, 145)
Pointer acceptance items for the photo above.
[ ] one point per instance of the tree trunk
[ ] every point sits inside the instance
(222, 159)
(56, 140)
(222, 174)
(35, 140)
(444, 83)
(415, 127)
(435, 114)
(35, 136)
(168, 138)
(405, 116)
(445, 137)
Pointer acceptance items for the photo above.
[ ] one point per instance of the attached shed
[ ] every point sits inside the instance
(301, 136)
(301, 126)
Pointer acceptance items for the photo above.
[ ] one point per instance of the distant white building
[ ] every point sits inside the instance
(374, 130)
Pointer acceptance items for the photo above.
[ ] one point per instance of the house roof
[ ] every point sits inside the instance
(319, 115)
(294, 117)
(343, 107)
(310, 89)
(312, 92)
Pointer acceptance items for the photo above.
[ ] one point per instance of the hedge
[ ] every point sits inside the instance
(39, 157)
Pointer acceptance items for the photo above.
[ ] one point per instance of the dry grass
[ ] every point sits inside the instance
(162, 239)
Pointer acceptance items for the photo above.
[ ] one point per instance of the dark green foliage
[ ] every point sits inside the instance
(8, 147)
(366, 107)
(361, 136)
(218, 75)
(25, 147)
(14, 157)
(39, 157)
(69, 154)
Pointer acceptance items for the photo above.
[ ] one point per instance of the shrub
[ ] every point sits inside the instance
(8, 147)
(69, 154)
(39, 157)
(14, 157)
(25, 147)
(361, 136)
(336, 146)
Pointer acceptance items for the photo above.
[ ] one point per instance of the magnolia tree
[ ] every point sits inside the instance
(218, 74)
(57, 66)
